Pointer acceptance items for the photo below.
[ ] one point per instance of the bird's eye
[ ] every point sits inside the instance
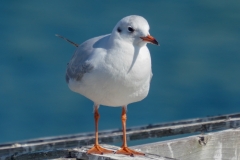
(130, 29)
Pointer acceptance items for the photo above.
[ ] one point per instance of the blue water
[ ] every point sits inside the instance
(196, 68)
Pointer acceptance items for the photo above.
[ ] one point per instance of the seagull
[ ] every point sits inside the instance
(113, 70)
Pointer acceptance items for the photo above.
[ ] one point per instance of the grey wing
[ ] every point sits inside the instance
(79, 65)
(77, 72)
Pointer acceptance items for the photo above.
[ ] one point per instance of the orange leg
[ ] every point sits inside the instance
(124, 149)
(97, 149)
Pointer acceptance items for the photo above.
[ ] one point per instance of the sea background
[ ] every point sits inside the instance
(196, 68)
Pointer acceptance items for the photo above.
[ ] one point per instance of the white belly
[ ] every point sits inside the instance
(112, 83)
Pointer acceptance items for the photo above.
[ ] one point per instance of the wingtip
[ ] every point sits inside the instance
(71, 42)
(57, 35)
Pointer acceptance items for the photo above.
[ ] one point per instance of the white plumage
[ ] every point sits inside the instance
(119, 70)
(113, 70)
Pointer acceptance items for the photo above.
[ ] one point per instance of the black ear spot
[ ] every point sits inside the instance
(119, 30)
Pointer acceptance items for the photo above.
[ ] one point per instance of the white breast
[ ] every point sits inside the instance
(117, 79)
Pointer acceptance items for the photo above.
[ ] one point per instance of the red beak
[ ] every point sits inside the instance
(150, 39)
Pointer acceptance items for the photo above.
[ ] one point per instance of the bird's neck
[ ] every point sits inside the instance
(117, 42)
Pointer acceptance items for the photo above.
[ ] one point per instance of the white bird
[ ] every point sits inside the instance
(113, 70)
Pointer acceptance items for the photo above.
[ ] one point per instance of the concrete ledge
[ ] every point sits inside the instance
(80, 154)
(223, 144)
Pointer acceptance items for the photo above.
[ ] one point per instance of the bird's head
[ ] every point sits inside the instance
(135, 30)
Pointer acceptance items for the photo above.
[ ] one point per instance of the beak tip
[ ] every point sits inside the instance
(156, 42)
(150, 39)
